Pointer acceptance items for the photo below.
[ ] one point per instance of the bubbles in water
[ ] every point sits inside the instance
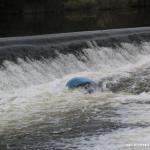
(33, 95)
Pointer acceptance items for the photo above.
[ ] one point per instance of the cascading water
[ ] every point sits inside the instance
(38, 112)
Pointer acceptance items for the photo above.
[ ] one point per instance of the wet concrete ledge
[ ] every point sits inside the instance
(73, 36)
(48, 46)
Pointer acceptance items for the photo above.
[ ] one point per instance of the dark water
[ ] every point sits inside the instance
(27, 24)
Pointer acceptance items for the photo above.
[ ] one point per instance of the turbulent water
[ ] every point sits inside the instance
(37, 111)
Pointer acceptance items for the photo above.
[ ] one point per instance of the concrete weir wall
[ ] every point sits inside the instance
(34, 6)
(48, 46)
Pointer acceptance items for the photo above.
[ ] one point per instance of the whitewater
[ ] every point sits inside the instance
(38, 112)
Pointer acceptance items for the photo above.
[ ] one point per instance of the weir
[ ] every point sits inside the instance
(48, 46)
(37, 110)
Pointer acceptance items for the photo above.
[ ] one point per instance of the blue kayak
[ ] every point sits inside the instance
(79, 81)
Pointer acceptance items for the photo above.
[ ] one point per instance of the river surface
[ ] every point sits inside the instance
(46, 23)
(37, 111)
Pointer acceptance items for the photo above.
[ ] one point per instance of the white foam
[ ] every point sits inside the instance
(100, 60)
(34, 92)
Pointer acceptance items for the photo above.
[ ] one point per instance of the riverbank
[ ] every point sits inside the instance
(57, 6)
(47, 23)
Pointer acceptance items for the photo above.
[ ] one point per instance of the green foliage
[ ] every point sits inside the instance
(79, 4)
(32, 6)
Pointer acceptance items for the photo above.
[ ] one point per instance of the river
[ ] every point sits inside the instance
(37, 111)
